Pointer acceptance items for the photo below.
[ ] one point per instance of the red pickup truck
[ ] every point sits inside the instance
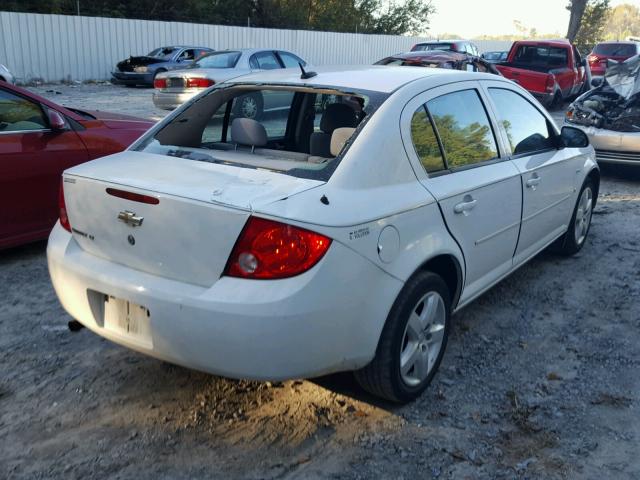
(552, 71)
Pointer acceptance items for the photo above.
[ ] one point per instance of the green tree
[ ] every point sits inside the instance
(623, 22)
(593, 24)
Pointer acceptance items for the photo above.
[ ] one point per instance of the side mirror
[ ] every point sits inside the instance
(57, 123)
(574, 137)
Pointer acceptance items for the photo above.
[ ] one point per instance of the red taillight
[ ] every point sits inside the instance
(550, 83)
(134, 197)
(64, 219)
(593, 58)
(160, 83)
(198, 82)
(267, 249)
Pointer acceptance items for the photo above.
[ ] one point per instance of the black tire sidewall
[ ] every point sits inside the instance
(397, 322)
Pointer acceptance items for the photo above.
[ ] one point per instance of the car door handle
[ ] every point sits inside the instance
(533, 182)
(466, 206)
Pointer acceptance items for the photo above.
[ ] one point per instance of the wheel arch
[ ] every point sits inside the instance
(594, 176)
(448, 267)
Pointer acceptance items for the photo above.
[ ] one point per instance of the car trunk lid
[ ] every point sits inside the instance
(189, 233)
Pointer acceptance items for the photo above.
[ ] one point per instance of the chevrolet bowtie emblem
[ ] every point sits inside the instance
(130, 218)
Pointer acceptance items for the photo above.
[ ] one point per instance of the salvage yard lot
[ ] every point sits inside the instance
(539, 379)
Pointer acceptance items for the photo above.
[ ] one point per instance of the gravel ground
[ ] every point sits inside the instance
(539, 381)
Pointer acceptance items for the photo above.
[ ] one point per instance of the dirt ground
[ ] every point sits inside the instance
(540, 381)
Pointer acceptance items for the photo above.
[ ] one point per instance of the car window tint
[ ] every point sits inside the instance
(290, 60)
(464, 128)
(527, 129)
(19, 114)
(266, 60)
(425, 141)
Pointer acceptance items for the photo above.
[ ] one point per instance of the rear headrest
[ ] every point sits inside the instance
(339, 137)
(245, 131)
(337, 115)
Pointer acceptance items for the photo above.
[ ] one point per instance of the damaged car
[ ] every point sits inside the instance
(440, 59)
(142, 70)
(342, 238)
(610, 114)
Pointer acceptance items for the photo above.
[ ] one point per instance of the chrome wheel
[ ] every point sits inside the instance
(249, 107)
(583, 216)
(422, 339)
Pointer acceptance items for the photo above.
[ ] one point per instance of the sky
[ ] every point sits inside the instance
(471, 18)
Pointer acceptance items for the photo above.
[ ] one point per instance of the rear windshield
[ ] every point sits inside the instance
(615, 49)
(433, 46)
(551, 57)
(298, 131)
(219, 60)
(162, 52)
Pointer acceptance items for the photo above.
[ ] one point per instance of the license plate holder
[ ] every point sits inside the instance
(128, 320)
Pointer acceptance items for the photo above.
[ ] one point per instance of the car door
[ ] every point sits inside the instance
(459, 161)
(549, 174)
(31, 162)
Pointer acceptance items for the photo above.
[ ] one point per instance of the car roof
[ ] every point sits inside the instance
(546, 43)
(452, 40)
(377, 78)
(624, 42)
(425, 54)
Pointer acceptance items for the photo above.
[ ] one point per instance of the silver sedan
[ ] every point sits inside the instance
(174, 88)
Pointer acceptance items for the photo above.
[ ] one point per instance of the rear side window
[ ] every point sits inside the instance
(464, 128)
(264, 61)
(425, 141)
(527, 129)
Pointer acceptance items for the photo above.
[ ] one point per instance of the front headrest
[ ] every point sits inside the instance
(245, 131)
(337, 115)
(338, 138)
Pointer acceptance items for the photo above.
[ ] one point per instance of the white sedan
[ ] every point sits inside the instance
(339, 234)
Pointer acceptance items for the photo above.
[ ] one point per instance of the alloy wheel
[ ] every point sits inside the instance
(583, 216)
(422, 339)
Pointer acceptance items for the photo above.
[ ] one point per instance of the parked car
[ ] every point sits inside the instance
(5, 75)
(495, 57)
(440, 59)
(551, 70)
(218, 245)
(460, 46)
(174, 88)
(38, 140)
(610, 114)
(618, 51)
(143, 70)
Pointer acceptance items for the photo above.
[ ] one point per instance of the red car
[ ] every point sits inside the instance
(551, 70)
(38, 140)
(618, 51)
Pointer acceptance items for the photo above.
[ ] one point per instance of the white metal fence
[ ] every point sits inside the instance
(62, 47)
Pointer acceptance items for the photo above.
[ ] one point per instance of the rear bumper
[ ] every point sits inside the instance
(132, 78)
(622, 148)
(326, 320)
(172, 100)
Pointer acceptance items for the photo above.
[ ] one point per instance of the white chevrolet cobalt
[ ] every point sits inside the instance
(338, 233)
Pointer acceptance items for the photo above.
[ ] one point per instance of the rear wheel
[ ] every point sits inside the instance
(250, 106)
(412, 342)
(574, 238)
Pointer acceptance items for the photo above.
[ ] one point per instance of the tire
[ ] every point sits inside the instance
(576, 235)
(250, 106)
(391, 374)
